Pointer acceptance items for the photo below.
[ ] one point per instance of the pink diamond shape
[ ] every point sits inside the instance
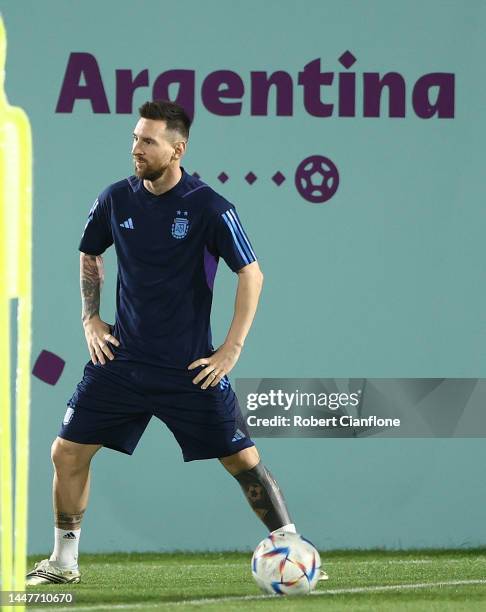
(278, 178)
(48, 367)
(250, 178)
(223, 177)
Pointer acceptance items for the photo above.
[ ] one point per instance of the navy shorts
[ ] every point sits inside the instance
(114, 402)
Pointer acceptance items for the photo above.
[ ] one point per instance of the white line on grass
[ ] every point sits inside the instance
(325, 563)
(236, 598)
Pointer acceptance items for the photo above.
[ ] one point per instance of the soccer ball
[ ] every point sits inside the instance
(286, 564)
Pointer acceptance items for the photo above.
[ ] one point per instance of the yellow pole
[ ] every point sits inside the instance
(24, 335)
(6, 516)
(15, 282)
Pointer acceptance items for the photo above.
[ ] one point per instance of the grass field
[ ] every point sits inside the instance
(361, 581)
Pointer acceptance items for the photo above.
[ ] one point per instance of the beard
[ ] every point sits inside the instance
(150, 172)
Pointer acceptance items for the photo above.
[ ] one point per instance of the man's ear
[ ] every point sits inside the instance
(180, 149)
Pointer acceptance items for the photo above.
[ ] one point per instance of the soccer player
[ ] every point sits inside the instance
(169, 230)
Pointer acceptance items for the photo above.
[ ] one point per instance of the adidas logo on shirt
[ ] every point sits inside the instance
(128, 224)
(239, 435)
(69, 536)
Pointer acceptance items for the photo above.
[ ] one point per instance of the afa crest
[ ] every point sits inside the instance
(180, 227)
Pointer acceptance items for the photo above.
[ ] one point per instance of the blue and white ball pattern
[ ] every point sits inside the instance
(286, 563)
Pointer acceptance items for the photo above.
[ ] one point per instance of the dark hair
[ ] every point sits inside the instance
(173, 114)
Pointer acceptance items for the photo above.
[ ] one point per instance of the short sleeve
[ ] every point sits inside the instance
(229, 240)
(97, 235)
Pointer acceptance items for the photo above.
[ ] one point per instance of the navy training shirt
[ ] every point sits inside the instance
(168, 247)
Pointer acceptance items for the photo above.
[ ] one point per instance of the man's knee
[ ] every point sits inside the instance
(245, 459)
(71, 456)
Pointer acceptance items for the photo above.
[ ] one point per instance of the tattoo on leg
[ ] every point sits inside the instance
(264, 496)
(68, 521)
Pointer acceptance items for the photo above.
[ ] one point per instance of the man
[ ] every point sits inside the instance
(169, 230)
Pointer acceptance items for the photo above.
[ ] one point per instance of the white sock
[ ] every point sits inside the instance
(290, 527)
(66, 544)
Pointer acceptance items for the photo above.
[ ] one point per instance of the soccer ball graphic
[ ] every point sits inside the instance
(316, 179)
(285, 563)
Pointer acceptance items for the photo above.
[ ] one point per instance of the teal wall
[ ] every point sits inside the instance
(384, 280)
